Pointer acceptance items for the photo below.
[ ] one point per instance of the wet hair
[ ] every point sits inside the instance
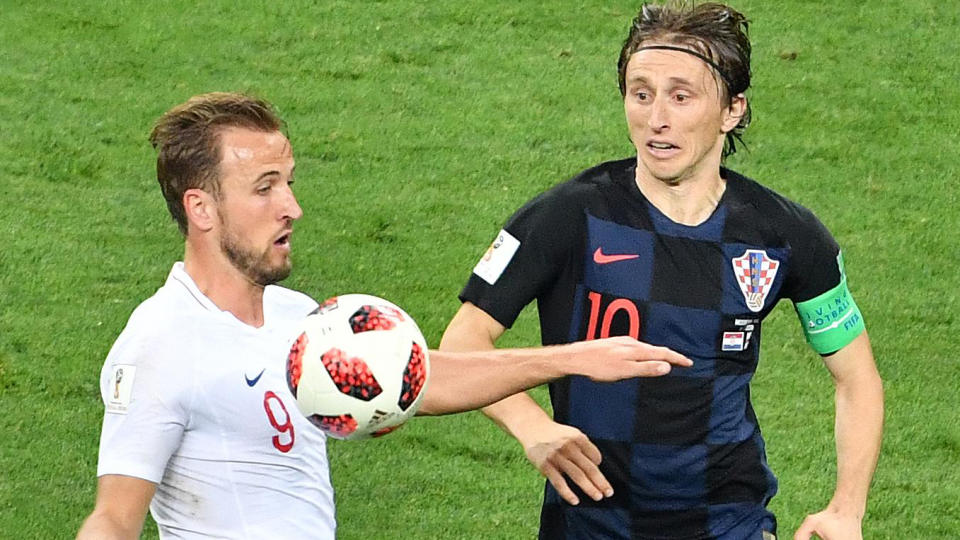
(715, 33)
(187, 141)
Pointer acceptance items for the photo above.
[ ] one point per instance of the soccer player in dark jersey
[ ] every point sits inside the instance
(674, 249)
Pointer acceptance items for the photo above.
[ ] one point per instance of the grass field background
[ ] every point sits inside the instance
(418, 129)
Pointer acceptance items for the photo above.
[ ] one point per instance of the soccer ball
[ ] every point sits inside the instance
(359, 368)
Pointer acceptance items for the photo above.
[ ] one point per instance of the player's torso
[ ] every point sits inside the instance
(702, 289)
(248, 460)
(684, 450)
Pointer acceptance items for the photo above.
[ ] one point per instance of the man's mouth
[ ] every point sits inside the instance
(656, 145)
(283, 240)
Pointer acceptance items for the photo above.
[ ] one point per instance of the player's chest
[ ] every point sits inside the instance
(243, 399)
(690, 268)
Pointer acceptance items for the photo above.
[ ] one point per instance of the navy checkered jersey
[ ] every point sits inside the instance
(684, 452)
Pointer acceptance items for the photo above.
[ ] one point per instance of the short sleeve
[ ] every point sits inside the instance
(819, 290)
(814, 267)
(146, 401)
(525, 257)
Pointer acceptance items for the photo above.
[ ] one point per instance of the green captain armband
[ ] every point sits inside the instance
(831, 320)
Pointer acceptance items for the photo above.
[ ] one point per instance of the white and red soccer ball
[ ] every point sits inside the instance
(359, 368)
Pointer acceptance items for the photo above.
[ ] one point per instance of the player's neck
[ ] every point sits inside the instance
(225, 286)
(689, 201)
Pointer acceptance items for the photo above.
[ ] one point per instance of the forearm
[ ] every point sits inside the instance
(121, 507)
(462, 381)
(101, 526)
(517, 415)
(859, 428)
(472, 330)
(468, 373)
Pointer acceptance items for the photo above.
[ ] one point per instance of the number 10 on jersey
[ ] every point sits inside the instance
(617, 317)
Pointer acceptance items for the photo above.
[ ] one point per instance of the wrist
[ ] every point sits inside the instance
(566, 360)
(847, 508)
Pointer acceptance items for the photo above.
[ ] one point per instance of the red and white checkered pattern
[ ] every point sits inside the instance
(755, 282)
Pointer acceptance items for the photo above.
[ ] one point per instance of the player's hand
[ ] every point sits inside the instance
(557, 450)
(830, 525)
(616, 358)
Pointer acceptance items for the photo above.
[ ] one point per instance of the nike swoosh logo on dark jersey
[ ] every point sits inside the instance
(600, 257)
(253, 381)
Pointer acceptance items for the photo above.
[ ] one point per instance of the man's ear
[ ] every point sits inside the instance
(201, 209)
(734, 113)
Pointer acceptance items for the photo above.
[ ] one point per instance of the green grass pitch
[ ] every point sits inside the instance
(418, 128)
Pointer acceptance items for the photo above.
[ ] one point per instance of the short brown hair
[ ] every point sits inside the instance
(716, 31)
(187, 141)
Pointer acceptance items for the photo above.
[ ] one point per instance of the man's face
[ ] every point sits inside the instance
(256, 206)
(676, 115)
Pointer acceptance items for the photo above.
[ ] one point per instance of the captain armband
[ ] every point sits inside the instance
(831, 320)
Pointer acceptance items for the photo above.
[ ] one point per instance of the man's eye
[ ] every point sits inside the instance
(642, 96)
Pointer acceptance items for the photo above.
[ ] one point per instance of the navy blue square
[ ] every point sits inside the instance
(596, 408)
(668, 477)
(710, 230)
(686, 330)
(729, 419)
(618, 259)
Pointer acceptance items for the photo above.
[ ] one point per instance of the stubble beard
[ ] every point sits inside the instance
(255, 267)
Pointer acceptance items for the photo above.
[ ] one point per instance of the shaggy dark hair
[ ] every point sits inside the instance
(713, 30)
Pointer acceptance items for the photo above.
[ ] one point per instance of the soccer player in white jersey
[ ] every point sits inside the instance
(200, 426)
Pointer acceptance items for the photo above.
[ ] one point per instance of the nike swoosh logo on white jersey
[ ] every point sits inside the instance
(253, 381)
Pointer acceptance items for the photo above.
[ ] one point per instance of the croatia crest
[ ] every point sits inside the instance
(755, 272)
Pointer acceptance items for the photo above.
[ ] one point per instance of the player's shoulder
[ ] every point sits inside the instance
(598, 177)
(585, 186)
(155, 314)
(157, 330)
(773, 207)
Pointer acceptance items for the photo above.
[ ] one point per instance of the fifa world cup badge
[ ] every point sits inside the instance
(120, 387)
(497, 257)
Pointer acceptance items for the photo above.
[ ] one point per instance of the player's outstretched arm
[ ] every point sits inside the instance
(462, 381)
(121, 507)
(558, 451)
(859, 427)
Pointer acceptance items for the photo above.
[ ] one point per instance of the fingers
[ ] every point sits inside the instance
(587, 475)
(589, 450)
(625, 369)
(653, 352)
(557, 481)
(576, 460)
(651, 368)
(633, 349)
(667, 355)
(581, 471)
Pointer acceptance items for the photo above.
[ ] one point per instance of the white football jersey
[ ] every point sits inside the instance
(197, 402)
